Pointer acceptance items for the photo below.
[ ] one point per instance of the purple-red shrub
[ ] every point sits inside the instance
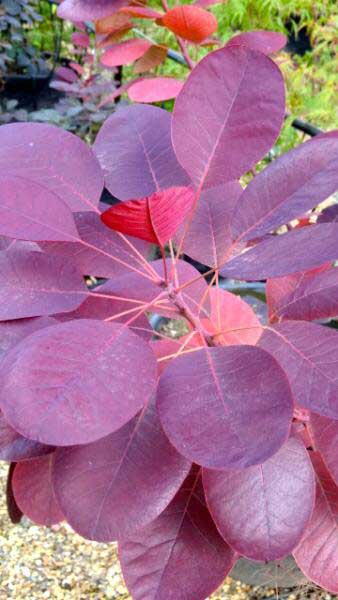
(196, 451)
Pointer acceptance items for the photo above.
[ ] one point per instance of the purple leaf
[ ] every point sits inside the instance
(54, 158)
(180, 554)
(325, 435)
(329, 215)
(267, 42)
(317, 553)
(23, 211)
(308, 353)
(236, 395)
(311, 247)
(12, 332)
(222, 110)
(262, 511)
(34, 284)
(208, 237)
(136, 140)
(304, 296)
(83, 10)
(273, 198)
(120, 483)
(14, 447)
(14, 512)
(98, 251)
(76, 382)
(33, 491)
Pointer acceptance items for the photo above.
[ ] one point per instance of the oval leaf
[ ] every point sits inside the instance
(317, 553)
(54, 158)
(155, 89)
(137, 140)
(150, 557)
(267, 42)
(238, 396)
(190, 22)
(262, 511)
(233, 321)
(23, 211)
(83, 10)
(325, 435)
(153, 219)
(308, 353)
(124, 53)
(221, 95)
(120, 483)
(59, 389)
(14, 447)
(33, 491)
(151, 59)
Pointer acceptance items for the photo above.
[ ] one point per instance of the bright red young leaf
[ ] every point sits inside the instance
(262, 511)
(304, 296)
(59, 389)
(271, 199)
(308, 353)
(240, 397)
(125, 53)
(23, 211)
(54, 158)
(87, 10)
(219, 97)
(180, 554)
(120, 483)
(98, 251)
(317, 553)
(267, 42)
(34, 284)
(136, 140)
(311, 247)
(208, 237)
(190, 22)
(324, 432)
(33, 491)
(155, 89)
(153, 219)
(233, 320)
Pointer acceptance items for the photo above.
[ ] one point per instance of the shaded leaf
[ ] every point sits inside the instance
(14, 447)
(275, 574)
(329, 215)
(61, 390)
(267, 42)
(80, 39)
(262, 511)
(142, 12)
(151, 59)
(14, 512)
(237, 395)
(325, 435)
(221, 97)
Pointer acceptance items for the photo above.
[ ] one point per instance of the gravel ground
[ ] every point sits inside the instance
(38, 563)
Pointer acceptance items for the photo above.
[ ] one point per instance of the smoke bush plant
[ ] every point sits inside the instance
(190, 452)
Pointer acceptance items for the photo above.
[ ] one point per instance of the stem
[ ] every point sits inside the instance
(174, 355)
(165, 270)
(184, 50)
(187, 283)
(143, 261)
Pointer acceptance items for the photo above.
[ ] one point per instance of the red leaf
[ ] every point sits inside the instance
(267, 42)
(325, 435)
(125, 52)
(190, 22)
(143, 12)
(262, 511)
(155, 89)
(155, 218)
(234, 318)
(180, 554)
(33, 491)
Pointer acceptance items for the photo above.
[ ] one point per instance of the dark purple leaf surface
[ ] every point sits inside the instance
(267, 42)
(120, 483)
(236, 395)
(324, 432)
(97, 250)
(262, 511)
(317, 553)
(14, 447)
(208, 237)
(33, 491)
(311, 247)
(76, 382)
(329, 215)
(222, 110)
(308, 353)
(135, 152)
(305, 296)
(23, 211)
(82, 10)
(12, 332)
(14, 512)
(34, 284)
(180, 554)
(54, 158)
(273, 198)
